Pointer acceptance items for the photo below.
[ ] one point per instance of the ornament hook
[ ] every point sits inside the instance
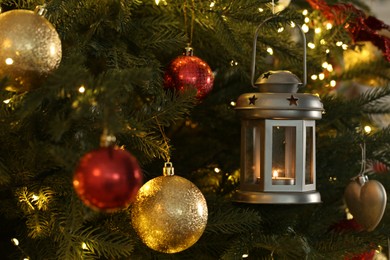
(254, 51)
(168, 169)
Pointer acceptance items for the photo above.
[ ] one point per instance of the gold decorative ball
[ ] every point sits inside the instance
(169, 214)
(30, 48)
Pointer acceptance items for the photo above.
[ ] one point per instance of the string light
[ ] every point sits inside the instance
(344, 46)
(329, 26)
(305, 28)
(212, 4)
(339, 43)
(311, 45)
(233, 104)
(15, 241)
(305, 12)
(82, 89)
(317, 30)
(367, 129)
(321, 76)
(325, 64)
(261, 10)
(217, 170)
(245, 255)
(292, 24)
(9, 61)
(270, 50)
(280, 29)
(157, 2)
(327, 51)
(307, 20)
(84, 246)
(329, 68)
(314, 77)
(333, 83)
(322, 42)
(7, 101)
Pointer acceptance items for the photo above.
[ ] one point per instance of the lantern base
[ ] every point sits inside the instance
(277, 197)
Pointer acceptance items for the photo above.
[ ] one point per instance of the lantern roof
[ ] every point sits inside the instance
(280, 81)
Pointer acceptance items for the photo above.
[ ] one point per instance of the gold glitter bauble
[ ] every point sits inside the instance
(30, 48)
(169, 214)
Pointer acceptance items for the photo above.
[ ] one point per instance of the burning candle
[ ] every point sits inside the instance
(276, 180)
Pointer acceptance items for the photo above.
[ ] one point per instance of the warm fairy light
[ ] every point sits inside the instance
(322, 42)
(325, 64)
(245, 255)
(292, 24)
(7, 101)
(280, 29)
(212, 4)
(217, 170)
(82, 89)
(232, 103)
(333, 83)
(35, 197)
(261, 10)
(305, 12)
(233, 63)
(321, 76)
(339, 43)
(329, 26)
(344, 46)
(367, 129)
(15, 241)
(311, 45)
(9, 61)
(305, 28)
(317, 30)
(84, 246)
(270, 50)
(316, 94)
(307, 20)
(157, 1)
(327, 51)
(329, 68)
(314, 77)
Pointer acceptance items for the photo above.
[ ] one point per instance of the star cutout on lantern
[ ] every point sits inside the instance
(267, 74)
(252, 100)
(293, 100)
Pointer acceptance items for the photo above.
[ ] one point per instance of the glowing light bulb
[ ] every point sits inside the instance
(15, 241)
(9, 61)
(217, 170)
(305, 28)
(245, 255)
(157, 1)
(82, 89)
(261, 10)
(367, 129)
(270, 51)
(307, 19)
(325, 64)
(344, 46)
(281, 29)
(321, 76)
(333, 83)
(7, 101)
(329, 68)
(322, 42)
(233, 104)
(212, 4)
(314, 77)
(317, 30)
(327, 51)
(311, 45)
(305, 12)
(35, 197)
(329, 26)
(339, 43)
(292, 24)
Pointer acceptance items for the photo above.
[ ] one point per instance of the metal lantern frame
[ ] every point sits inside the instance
(278, 138)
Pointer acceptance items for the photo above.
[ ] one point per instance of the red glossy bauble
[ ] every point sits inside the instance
(189, 71)
(107, 179)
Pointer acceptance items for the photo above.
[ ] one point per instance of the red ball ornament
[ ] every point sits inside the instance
(189, 71)
(107, 179)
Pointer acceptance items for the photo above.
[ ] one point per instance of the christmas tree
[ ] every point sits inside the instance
(115, 85)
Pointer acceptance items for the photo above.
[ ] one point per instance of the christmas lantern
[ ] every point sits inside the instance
(30, 48)
(278, 139)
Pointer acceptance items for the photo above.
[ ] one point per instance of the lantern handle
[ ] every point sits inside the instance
(254, 52)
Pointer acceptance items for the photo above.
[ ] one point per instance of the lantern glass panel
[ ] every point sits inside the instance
(283, 155)
(309, 168)
(251, 151)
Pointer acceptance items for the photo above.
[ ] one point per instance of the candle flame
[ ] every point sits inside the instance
(275, 174)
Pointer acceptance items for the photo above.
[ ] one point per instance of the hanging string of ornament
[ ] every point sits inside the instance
(366, 199)
(189, 71)
(169, 213)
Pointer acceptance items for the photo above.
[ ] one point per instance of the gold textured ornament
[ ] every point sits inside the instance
(366, 201)
(30, 48)
(169, 213)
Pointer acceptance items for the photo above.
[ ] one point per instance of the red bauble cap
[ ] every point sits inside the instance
(189, 71)
(107, 179)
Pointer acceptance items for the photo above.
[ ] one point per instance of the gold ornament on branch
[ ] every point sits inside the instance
(30, 48)
(169, 213)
